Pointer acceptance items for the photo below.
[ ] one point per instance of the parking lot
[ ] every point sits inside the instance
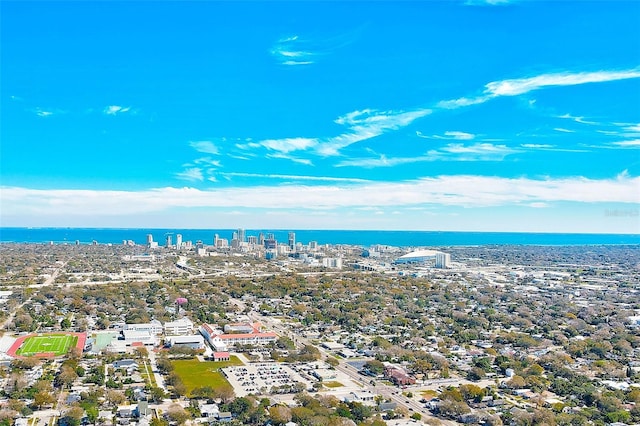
(264, 378)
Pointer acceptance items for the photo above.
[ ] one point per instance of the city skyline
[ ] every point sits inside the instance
(454, 116)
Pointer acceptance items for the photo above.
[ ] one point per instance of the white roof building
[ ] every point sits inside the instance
(178, 327)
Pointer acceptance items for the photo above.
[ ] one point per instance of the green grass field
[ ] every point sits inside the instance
(196, 374)
(57, 344)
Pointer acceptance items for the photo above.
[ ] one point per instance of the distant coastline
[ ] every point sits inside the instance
(347, 237)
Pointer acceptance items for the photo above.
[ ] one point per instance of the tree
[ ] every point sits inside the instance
(516, 382)
(156, 394)
(333, 362)
(453, 409)
(280, 414)
(92, 414)
(73, 416)
(177, 414)
(240, 407)
(42, 398)
(65, 377)
(115, 397)
(375, 367)
(224, 392)
(142, 352)
(475, 374)
(65, 324)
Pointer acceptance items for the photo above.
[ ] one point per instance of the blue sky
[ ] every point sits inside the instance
(458, 115)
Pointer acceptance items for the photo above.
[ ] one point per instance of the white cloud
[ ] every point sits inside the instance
(297, 62)
(288, 51)
(298, 160)
(560, 129)
(577, 119)
(361, 125)
(520, 86)
(43, 113)
(288, 144)
(295, 177)
(367, 124)
(206, 147)
(488, 2)
(116, 109)
(463, 190)
(450, 135)
(628, 144)
(537, 146)
(462, 102)
(192, 174)
(480, 150)
(450, 152)
(296, 51)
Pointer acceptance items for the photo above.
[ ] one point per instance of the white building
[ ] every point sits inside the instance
(332, 262)
(195, 341)
(443, 260)
(138, 338)
(153, 327)
(179, 327)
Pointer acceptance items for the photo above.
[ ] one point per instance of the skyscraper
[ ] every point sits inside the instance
(292, 241)
(179, 241)
(149, 239)
(241, 235)
(168, 241)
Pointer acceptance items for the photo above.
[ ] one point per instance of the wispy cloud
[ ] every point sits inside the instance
(537, 146)
(451, 152)
(578, 119)
(43, 113)
(293, 51)
(295, 177)
(488, 2)
(305, 161)
(462, 190)
(115, 109)
(361, 125)
(455, 135)
(520, 86)
(563, 130)
(367, 124)
(289, 144)
(628, 144)
(206, 147)
(47, 112)
(477, 152)
(193, 174)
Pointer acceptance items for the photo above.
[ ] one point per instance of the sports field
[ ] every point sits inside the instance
(49, 344)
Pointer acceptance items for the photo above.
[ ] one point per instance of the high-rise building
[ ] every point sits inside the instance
(179, 241)
(216, 237)
(261, 238)
(313, 245)
(241, 235)
(443, 260)
(168, 244)
(149, 239)
(270, 243)
(252, 239)
(292, 241)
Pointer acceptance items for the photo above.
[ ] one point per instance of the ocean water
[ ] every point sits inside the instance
(361, 238)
